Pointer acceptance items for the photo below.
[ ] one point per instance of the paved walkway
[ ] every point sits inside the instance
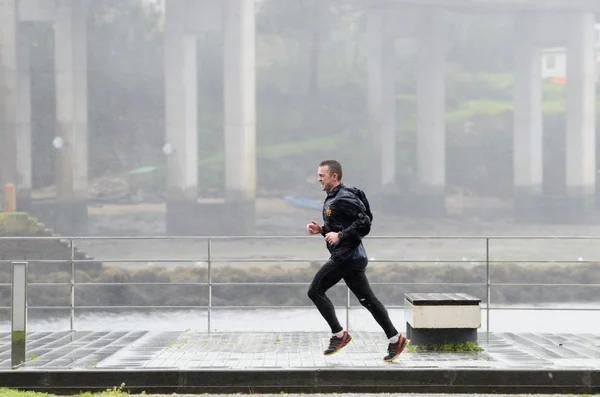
(189, 350)
(197, 362)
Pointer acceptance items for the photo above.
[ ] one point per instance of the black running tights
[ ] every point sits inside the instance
(354, 276)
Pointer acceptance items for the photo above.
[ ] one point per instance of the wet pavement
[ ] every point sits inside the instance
(196, 362)
(149, 350)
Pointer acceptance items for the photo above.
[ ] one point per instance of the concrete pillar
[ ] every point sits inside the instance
(381, 99)
(527, 139)
(431, 142)
(9, 91)
(70, 33)
(181, 117)
(581, 115)
(23, 140)
(15, 108)
(240, 115)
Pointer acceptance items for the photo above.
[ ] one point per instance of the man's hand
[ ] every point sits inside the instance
(313, 228)
(332, 238)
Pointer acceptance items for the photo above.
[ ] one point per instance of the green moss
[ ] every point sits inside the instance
(467, 347)
(18, 337)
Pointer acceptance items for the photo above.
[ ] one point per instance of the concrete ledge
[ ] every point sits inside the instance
(210, 218)
(308, 381)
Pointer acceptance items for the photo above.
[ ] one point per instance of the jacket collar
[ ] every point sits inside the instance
(334, 191)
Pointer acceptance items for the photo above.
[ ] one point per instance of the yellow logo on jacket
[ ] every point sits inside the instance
(328, 211)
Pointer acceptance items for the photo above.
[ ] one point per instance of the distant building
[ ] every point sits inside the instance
(554, 60)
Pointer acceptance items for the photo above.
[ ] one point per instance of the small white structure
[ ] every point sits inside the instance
(554, 60)
(439, 318)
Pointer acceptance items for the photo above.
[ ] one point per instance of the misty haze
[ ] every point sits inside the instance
(209, 118)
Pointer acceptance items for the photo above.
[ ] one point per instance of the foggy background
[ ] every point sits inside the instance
(311, 105)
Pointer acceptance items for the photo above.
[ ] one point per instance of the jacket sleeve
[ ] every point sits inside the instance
(361, 224)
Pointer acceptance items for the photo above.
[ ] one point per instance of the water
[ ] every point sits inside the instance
(298, 320)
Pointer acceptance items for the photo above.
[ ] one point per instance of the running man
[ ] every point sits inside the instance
(347, 219)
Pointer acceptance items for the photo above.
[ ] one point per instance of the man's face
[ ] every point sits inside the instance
(326, 180)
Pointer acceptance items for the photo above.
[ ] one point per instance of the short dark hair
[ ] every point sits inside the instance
(334, 167)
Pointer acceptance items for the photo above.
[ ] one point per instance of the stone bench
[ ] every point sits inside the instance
(440, 318)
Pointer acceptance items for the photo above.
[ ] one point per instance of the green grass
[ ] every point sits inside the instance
(17, 224)
(115, 391)
(281, 150)
(480, 107)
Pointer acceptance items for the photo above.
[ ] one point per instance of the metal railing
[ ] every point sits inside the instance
(210, 260)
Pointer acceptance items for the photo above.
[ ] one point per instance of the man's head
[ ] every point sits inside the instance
(330, 174)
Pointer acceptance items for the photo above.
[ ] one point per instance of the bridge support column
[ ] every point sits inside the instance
(24, 159)
(240, 117)
(69, 213)
(184, 213)
(527, 138)
(15, 106)
(581, 116)
(431, 135)
(381, 103)
(381, 99)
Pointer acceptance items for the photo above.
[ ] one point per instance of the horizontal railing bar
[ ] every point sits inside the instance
(298, 237)
(544, 308)
(174, 307)
(296, 260)
(341, 307)
(115, 284)
(61, 307)
(227, 260)
(321, 260)
(264, 283)
(544, 261)
(120, 307)
(542, 285)
(204, 283)
(483, 307)
(371, 283)
(229, 238)
(38, 261)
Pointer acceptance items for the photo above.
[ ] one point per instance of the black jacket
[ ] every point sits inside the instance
(344, 212)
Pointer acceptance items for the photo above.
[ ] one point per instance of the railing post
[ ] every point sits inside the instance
(488, 287)
(72, 319)
(19, 313)
(209, 281)
(348, 309)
